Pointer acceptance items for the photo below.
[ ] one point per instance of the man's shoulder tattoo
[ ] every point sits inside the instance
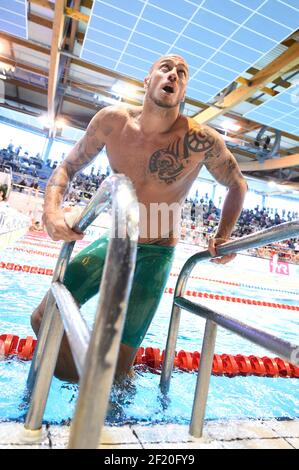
(168, 163)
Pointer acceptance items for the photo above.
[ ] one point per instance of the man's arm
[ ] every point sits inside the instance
(79, 157)
(221, 163)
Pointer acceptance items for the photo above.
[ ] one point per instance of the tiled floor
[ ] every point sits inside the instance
(217, 435)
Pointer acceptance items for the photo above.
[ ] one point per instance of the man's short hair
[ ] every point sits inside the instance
(164, 57)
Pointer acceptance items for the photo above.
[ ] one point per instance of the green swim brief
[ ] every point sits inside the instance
(153, 264)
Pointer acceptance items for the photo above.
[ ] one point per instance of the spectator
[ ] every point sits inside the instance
(3, 192)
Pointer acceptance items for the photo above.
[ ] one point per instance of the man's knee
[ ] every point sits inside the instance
(37, 315)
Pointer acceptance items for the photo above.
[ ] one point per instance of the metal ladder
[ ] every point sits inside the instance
(282, 348)
(95, 353)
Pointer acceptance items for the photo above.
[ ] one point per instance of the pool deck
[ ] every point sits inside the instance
(243, 434)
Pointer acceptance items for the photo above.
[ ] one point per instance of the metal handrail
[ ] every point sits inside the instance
(282, 348)
(95, 353)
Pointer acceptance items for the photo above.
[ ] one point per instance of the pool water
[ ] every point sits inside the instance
(141, 400)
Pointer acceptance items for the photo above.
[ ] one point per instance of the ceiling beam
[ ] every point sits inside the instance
(17, 100)
(100, 91)
(107, 72)
(26, 85)
(55, 56)
(40, 20)
(50, 6)
(278, 81)
(43, 91)
(21, 111)
(239, 151)
(268, 91)
(277, 67)
(23, 66)
(84, 104)
(71, 43)
(67, 63)
(271, 164)
(22, 42)
(87, 3)
(43, 3)
(76, 14)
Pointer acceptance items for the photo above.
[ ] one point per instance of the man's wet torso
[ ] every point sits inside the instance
(162, 169)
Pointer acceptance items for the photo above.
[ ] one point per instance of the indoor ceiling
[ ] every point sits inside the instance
(65, 60)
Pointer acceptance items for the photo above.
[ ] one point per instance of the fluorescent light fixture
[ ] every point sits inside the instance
(127, 90)
(45, 121)
(7, 67)
(60, 123)
(230, 126)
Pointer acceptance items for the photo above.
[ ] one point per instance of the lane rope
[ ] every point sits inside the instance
(223, 364)
(172, 274)
(168, 290)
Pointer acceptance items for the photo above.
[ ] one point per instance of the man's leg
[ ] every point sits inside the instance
(65, 368)
(82, 279)
(152, 270)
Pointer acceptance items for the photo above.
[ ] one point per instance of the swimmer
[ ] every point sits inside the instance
(162, 152)
(3, 192)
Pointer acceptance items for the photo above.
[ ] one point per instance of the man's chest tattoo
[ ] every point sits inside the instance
(168, 163)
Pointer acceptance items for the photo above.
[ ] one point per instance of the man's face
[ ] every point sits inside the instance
(166, 84)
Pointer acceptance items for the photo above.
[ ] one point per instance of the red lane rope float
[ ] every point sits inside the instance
(228, 298)
(54, 243)
(35, 252)
(168, 290)
(229, 283)
(12, 345)
(38, 245)
(223, 364)
(239, 284)
(26, 268)
(40, 253)
(55, 255)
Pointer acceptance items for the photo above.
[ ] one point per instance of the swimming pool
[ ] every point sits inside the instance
(238, 397)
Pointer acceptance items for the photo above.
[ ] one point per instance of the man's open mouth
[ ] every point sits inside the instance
(168, 89)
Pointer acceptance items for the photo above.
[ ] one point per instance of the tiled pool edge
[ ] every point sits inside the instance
(246, 434)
